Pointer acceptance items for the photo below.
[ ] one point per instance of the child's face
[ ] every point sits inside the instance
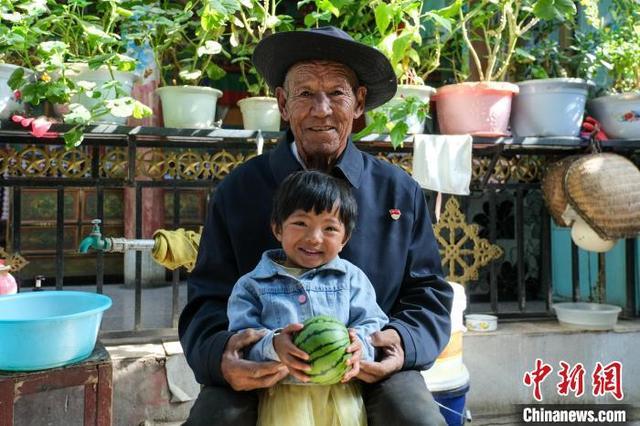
(311, 240)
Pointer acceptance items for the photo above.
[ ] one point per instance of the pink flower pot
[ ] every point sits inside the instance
(475, 108)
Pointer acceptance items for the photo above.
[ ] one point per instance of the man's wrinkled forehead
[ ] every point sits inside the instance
(301, 71)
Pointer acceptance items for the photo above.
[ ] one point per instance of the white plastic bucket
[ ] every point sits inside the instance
(549, 107)
(188, 107)
(260, 113)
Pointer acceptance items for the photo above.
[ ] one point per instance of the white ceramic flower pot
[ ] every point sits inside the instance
(619, 115)
(100, 76)
(423, 93)
(549, 107)
(188, 107)
(8, 103)
(260, 113)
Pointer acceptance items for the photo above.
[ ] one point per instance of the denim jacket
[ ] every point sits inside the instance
(270, 298)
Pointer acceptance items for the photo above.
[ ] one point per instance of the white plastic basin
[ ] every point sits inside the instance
(592, 316)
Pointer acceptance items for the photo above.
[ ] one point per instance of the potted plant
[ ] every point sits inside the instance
(81, 69)
(18, 38)
(490, 31)
(619, 51)
(185, 40)
(412, 41)
(255, 20)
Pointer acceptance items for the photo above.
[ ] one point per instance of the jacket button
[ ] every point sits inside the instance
(302, 298)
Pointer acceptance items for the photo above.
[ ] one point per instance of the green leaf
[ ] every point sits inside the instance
(120, 107)
(554, 9)
(77, 114)
(452, 11)
(383, 14)
(190, 75)
(51, 47)
(309, 20)
(73, 138)
(214, 72)
(272, 22)
(96, 34)
(439, 20)
(398, 133)
(524, 55)
(210, 48)
(16, 78)
(140, 110)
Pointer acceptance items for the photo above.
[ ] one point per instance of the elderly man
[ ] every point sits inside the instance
(323, 80)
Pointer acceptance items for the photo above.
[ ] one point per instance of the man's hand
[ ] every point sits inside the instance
(245, 375)
(290, 355)
(392, 360)
(355, 348)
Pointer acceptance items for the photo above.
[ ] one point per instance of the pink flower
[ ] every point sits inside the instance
(40, 126)
(17, 95)
(24, 121)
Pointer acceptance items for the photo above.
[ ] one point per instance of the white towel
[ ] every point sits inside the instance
(442, 163)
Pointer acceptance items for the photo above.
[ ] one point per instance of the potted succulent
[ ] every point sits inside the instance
(81, 68)
(255, 20)
(490, 31)
(619, 51)
(185, 40)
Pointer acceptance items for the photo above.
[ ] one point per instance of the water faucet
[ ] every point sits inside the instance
(94, 239)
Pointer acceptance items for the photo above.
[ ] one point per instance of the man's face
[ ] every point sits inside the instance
(319, 102)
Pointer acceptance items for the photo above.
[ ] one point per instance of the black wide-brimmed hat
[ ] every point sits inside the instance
(274, 55)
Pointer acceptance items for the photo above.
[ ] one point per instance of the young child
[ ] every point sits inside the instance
(313, 217)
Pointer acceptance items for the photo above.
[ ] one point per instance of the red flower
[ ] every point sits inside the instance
(17, 95)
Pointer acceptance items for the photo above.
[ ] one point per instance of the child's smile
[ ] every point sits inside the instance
(310, 239)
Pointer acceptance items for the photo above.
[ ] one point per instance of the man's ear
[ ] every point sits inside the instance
(277, 231)
(281, 96)
(361, 96)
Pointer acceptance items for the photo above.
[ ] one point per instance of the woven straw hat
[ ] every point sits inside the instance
(553, 189)
(604, 189)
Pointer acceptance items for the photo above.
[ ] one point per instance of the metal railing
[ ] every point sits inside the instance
(175, 160)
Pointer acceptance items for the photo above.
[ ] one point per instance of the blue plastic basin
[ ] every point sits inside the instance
(48, 329)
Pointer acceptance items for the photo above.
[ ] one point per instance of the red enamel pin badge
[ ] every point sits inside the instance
(395, 214)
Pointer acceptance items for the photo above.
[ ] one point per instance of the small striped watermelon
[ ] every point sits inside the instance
(325, 340)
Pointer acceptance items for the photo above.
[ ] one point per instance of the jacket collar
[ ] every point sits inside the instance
(269, 267)
(283, 163)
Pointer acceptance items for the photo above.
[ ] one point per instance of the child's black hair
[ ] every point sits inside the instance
(317, 191)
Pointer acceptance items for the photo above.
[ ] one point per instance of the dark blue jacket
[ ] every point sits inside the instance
(400, 257)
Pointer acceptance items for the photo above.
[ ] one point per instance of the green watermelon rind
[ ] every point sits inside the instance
(322, 338)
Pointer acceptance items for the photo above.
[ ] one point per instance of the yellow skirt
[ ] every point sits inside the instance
(312, 405)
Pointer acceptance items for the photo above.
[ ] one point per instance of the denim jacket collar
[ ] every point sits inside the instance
(283, 163)
(268, 266)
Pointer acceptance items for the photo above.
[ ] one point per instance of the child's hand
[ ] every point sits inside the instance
(289, 354)
(355, 348)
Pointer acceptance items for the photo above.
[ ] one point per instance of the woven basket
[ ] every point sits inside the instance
(553, 189)
(605, 191)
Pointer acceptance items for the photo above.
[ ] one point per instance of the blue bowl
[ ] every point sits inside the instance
(48, 329)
